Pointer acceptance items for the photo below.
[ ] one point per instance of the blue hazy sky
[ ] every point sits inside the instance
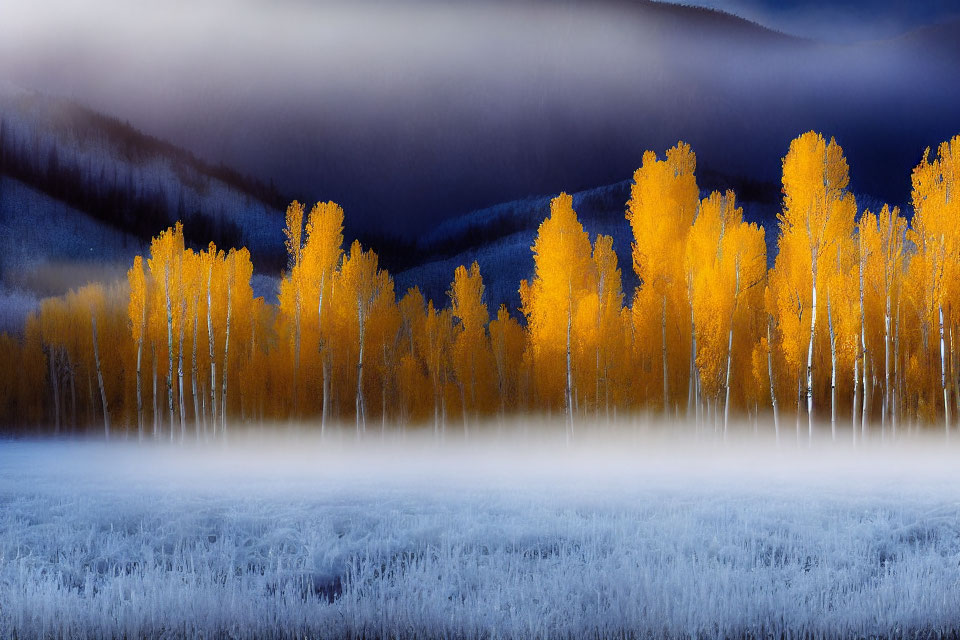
(839, 20)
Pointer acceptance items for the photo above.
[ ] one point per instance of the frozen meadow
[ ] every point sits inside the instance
(619, 536)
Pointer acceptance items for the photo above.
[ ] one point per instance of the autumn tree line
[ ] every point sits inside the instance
(855, 325)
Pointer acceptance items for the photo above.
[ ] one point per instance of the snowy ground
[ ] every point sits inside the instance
(612, 538)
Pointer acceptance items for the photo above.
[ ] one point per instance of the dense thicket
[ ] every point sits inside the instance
(854, 325)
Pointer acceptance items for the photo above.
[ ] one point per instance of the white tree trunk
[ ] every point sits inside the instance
(360, 408)
(54, 386)
(833, 370)
(863, 352)
(856, 393)
(139, 394)
(156, 408)
(103, 392)
(943, 377)
(166, 271)
(194, 371)
(296, 354)
(183, 419)
(813, 327)
(213, 362)
(733, 312)
(895, 403)
(886, 366)
(692, 384)
(226, 351)
(773, 395)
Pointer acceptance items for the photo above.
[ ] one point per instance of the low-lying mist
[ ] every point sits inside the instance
(641, 451)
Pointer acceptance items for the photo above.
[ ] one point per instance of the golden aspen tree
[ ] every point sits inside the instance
(321, 256)
(817, 210)
(435, 343)
(471, 350)
(609, 343)
(291, 289)
(383, 336)
(508, 342)
(192, 287)
(884, 236)
(564, 273)
(86, 309)
(237, 273)
(412, 380)
(137, 311)
(165, 250)
(362, 282)
(727, 261)
(184, 260)
(769, 305)
(936, 236)
(213, 262)
(53, 323)
(662, 206)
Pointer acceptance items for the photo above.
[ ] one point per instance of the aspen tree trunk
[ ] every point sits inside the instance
(296, 355)
(856, 392)
(473, 377)
(166, 288)
(213, 362)
(103, 392)
(596, 396)
(226, 351)
(886, 366)
(436, 406)
(773, 395)
(863, 350)
(360, 409)
(55, 388)
(953, 372)
(73, 398)
(156, 408)
(663, 354)
(726, 402)
(324, 410)
(183, 419)
(813, 327)
(691, 385)
(799, 400)
(139, 395)
(193, 371)
(569, 379)
(943, 377)
(895, 404)
(833, 370)
(865, 408)
(383, 393)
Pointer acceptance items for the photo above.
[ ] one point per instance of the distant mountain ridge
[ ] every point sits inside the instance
(130, 181)
(60, 164)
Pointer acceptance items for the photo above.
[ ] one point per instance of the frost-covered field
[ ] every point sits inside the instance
(521, 540)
